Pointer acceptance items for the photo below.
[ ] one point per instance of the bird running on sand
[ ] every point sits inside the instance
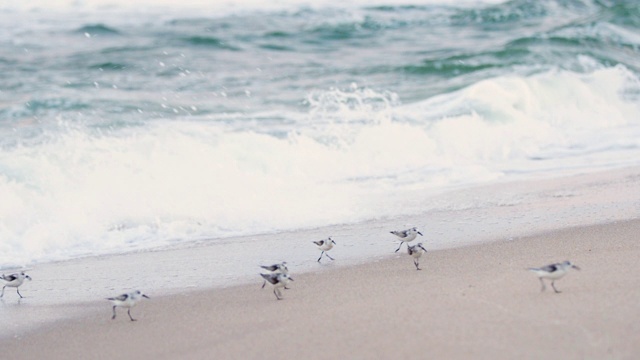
(553, 272)
(14, 280)
(128, 301)
(406, 236)
(278, 280)
(280, 268)
(416, 251)
(325, 245)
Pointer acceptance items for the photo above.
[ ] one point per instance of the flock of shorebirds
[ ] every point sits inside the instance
(278, 274)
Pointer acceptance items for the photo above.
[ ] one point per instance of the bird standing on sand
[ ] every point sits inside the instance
(14, 280)
(278, 280)
(553, 272)
(416, 252)
(406, 236)
(325, 245)
(128, 301)
(280, 268)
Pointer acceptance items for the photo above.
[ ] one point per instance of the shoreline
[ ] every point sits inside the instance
(489, 214)
(472, 301)
(466, 197)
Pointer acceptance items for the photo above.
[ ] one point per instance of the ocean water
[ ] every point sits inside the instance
(134, 125)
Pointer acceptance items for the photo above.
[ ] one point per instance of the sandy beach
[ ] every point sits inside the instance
(470, 302)
(475, 301)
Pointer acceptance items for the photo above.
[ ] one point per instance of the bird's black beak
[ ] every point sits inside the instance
(29, 277)
(575, 267)
(420, 233)
(291, 279)
(143, 295)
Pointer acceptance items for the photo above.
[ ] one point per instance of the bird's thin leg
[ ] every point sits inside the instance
(263, 284)
(114, 312)
(129, 312)
(554, 287)
(417, 265)
(327, 255)
(18, 291)
(322, 253)
(275, 291)
(3, 291)
(401, 242)
(543, 286)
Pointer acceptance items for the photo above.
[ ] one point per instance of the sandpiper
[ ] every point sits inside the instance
(280, 268)
(325, 245)
(128, 301)
(406, 236)
(14, 280)
(278, 280)
(416, 252)
(553, 272)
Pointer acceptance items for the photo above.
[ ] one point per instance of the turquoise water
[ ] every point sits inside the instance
(130, 127)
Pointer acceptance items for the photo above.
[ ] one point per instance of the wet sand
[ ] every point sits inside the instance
(471, 302)
(473, 298)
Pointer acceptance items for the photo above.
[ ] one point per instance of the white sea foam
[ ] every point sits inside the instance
(517, 119)
(357, 154)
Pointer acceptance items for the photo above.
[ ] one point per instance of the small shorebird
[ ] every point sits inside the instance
(325, 245)
(280, 268)
(416, 252)
(128, 301)
(553, 272)
(14, 280)
(406, 236)
(278, 280)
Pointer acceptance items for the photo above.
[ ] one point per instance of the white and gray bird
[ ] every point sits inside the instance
(416, 251)
(14, 280)
(406, 236)
(553, 272)
(280, 268)
(128, 301)
(325, 245)
(278, 280)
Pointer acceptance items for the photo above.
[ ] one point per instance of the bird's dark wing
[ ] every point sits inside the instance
(550, 268)
(273, 279)
(10, 277)
(122, 297)
(319, 242)
(270, 267)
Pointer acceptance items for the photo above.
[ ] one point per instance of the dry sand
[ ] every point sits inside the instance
(473, 302)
